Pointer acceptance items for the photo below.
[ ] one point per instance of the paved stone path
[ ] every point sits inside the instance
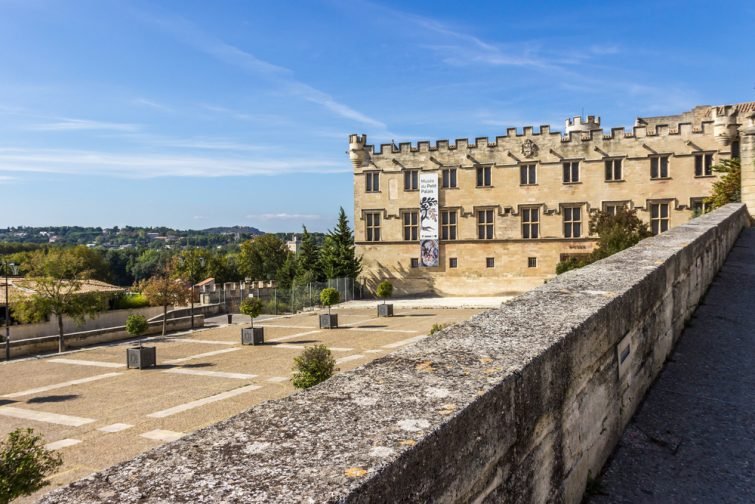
(693, 439)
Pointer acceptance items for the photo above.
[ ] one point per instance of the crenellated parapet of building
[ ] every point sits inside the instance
(582, 136)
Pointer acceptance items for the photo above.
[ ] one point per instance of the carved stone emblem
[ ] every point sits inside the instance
(529, 148)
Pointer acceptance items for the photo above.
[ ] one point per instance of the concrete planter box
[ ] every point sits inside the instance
(140, 358)
(328, 321)
(385, 310)
(253, 336)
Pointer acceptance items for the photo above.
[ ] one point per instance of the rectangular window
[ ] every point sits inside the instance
(483, 176)
(659, 217)
(414, 262)
(490, 262)
(372, 181)
(614, 208)
(410, 220)
(572, 222)
(448, 225)
(453, 262)
(485, 224)
(530, 223)
(703, 165)
(571, 172)
(659, 167)
(613, 170)
(532, 262)
(372, 226)
(411, 180)
(700, 207)
(528, 174)
(449, 178)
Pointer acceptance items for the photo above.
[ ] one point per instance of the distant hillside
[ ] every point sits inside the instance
(233, 229)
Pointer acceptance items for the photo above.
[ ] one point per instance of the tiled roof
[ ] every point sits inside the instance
(23, 287)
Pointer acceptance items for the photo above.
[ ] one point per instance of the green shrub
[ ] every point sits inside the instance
(437, 327)
(251, 306)
(384, 290)
(329, 297)
(314, 366)
(24, 464)
(131, 302)
(136, 325)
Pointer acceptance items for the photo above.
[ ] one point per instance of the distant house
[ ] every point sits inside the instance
(20, 288)
(294, 243)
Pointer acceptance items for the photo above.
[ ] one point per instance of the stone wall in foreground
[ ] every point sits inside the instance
(518, 404)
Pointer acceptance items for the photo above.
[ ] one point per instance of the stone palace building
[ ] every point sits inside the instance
(508, 210)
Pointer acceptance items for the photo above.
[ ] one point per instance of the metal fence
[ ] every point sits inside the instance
(277, 301)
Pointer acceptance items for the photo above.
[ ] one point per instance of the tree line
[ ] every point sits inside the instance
(263, 257)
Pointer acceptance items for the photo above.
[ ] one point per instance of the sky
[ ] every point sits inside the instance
(194, 114)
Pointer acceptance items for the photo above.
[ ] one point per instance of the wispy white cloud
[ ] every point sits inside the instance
(5, 179)
(197, 143)
(69, 124)
(235, 114)
(244, 60)
(151, 104)
(89, 162)
(283, 216)
(265, 119)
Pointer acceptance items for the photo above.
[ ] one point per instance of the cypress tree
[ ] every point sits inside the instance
(308, 264)
(338, 257)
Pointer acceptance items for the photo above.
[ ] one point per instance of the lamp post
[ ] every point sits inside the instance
(8, 267)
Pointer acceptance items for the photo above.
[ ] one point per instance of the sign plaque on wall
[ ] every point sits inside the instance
(428, 220)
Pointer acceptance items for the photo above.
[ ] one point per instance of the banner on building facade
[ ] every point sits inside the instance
(428, 220)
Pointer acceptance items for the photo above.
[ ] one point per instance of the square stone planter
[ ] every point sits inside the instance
(385, 310)
(328, 321)
(253, 336)
(140, 358)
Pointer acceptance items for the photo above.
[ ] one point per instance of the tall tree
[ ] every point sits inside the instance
(148, 264)
(287, 272)
(727, 189)
(57, 278)
(337, 256)
(308, 268)
(261, 257)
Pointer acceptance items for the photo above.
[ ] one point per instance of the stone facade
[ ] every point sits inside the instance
(515, 206)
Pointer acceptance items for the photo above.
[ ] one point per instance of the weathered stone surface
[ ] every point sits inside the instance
(517, 404)
(693, 439)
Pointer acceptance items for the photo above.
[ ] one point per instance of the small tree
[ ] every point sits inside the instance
(164, 291)
(136, 325)
(251, 306)
(24, 464)
(314, 366)
(616, 232)
(329, 297)
(384, 290)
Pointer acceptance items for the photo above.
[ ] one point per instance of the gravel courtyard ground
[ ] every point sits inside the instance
(97, 413)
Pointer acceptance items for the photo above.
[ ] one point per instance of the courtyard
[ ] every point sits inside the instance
(96, 412)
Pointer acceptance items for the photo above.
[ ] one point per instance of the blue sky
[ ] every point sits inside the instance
(194, 114)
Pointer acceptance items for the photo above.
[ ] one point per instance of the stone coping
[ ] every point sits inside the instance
(460, 416)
